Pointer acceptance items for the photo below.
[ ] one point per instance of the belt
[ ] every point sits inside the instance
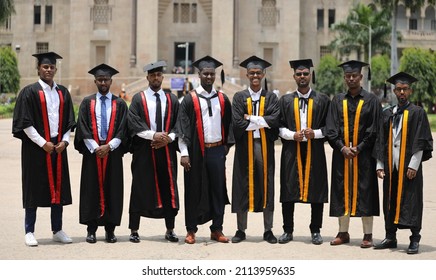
(102, 142)
(211, 145)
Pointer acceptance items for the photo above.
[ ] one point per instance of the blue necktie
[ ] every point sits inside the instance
(103, 118)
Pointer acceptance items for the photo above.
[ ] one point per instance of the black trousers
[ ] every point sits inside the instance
(315, 218)
(92, 227)
(214, 159)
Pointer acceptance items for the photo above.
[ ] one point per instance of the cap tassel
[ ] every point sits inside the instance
(385, 92)
(266, 85)
(369, 74)
(313, 76)
(223, 77)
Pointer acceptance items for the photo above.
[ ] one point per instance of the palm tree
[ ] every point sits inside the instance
(354, 33)
(6, 9)
(392, 5)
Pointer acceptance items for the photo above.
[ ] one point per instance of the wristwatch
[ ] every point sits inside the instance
(247, 117)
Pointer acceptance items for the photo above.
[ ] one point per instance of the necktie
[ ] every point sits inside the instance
(398, 114)
(103, 117)
(209, 104)
(255, 107)
(303, 103)
(158, 113)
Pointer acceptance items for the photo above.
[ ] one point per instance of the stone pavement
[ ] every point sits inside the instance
(154, 247)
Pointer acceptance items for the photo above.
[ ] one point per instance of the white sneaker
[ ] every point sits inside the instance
(30, 239)
(62, 237)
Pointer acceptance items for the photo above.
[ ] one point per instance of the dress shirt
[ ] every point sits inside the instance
(288, 134)
(256, 121)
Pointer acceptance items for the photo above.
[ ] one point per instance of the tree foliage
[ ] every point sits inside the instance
(7, 8)
(380, 69)
(421, 64)
(9, 74)
(329, 77)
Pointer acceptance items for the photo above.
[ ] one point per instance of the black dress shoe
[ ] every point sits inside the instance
(90, 238)
(413, 248)
(134, 237)
(239, 236)
(269, 237)
(386, 243)
(285, 238)
(171, 236)
(110, 237)
(316, 238)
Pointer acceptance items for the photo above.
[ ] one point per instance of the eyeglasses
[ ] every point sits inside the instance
(401, 89)
(299, 74)
(252, 74)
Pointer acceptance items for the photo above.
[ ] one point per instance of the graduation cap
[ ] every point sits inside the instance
(401, 77)
(209, 62)
(258, 63)
(303, 64)
(47, 58)
(103, 70)
(155, 66)
(355, 66)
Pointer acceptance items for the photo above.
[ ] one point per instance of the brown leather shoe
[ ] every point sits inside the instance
(341, 238)
(218, 236)
(190, 237)
(367, 241)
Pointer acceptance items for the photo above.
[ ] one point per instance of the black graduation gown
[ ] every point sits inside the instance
(367, 196)
(90, 207)
(240, 186)
(197, 200)
(418, 138)
(317, 188)
(148, 197)
(35, 179)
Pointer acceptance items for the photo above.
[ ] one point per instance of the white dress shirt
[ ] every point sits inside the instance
(256, 121)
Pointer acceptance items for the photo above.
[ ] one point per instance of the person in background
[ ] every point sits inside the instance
(204, 141)
(151, 121)
(404, 142)
(255, 116)
(43, 120)
(101, 138)
(303, 172)
(351, 129)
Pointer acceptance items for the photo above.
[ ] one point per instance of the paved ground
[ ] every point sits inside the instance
(154, 247)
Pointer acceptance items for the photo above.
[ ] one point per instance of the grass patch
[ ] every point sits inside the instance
(432, 120)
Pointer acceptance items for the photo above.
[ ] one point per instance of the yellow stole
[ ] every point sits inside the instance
(303, 181)
(401, 163)
(355, 159)
(251, 156)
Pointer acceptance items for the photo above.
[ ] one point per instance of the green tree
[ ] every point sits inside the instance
(6, 9)
(421, 64)
(329, 77)
(380, 69)
(353, 33)
(392, 6)
(9, 74)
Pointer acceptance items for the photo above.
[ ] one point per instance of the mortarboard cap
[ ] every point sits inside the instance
(402, 77)
(255, 62)
(47, 58)
(155, 66)
(103, 70)
(206, 62)
(303, 64)
(353, 66)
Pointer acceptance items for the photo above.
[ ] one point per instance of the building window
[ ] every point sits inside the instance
(324, 50)
(36, 14)
(320, 19)
(41, 47)
(433, 24)
(185, 12)
(268, 13)
(48, 14)
(101, 12)
(413, 24)
(331, 17)
(7, 25)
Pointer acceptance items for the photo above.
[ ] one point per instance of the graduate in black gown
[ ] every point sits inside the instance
(404, 142)
(102, 140)
(43, 119)
(352, 126)
(303, 168)
(204, 125)
(151, 121)
(255, 115)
